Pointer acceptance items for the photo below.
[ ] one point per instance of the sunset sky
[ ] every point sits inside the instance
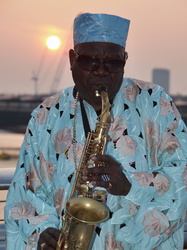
(157, 39)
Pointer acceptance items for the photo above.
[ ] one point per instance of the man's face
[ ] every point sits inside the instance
(88, 80)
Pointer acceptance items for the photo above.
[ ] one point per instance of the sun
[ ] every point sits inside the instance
(53, 42)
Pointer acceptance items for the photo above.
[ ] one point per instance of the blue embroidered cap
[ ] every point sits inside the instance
(100, 28)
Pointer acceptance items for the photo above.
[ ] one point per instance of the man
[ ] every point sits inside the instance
(145, 158)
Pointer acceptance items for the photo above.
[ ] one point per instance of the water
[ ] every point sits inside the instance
(11, 163)
(4, 131)
(10, 144)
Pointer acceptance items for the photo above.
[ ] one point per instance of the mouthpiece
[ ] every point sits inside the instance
(100, 90)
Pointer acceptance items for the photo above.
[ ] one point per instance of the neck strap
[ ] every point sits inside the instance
(85, 119)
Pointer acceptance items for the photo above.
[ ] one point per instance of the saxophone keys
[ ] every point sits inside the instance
(90, 185)
(83, 189)
(97, 93)
(100, 195)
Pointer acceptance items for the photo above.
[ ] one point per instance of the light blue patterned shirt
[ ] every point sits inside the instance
(148, 138)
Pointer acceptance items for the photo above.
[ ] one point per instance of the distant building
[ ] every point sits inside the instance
(162, 78)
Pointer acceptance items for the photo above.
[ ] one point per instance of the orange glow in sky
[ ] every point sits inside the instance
(157, 39)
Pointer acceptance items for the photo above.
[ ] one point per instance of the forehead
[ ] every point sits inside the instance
(100, 49)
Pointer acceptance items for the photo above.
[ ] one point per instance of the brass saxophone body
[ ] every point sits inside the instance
(83, 210)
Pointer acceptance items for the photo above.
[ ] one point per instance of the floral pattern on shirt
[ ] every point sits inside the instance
(126, 145)
(111, 244)
(184, 177)
(133, 209)
(169, 143)
(52, 100)
(144, 85)
(166, 107)
(33, 181)
(75, 151)
(160, 182)
(59, 200)
(131, 92)
(143, 178)
(170, 230)
(26, 210)
(117, 128)
(155, 223)
(172, 127)
(31, 242)
(62, 140)
(151, 132)
(42, 115)
(46, 169)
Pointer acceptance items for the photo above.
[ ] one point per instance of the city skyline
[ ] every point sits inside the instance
(157, 39)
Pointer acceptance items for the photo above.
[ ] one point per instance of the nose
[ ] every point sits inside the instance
(101, 70)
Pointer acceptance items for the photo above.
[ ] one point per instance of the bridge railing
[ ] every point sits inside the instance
(6, 175)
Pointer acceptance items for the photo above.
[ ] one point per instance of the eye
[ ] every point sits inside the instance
(114, 65)
(87, 62)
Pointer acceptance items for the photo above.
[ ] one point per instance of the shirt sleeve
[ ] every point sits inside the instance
(153, 212)
(30, 206)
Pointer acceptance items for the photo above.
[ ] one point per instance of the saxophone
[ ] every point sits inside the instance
(85, 208)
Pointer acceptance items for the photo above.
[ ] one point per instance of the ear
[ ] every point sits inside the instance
(126, 56)
(71, 57)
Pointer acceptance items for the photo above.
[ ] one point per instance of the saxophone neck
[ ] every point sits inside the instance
(105, 116)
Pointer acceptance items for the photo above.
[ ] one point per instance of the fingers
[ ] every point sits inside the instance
(111, 168)
(109, 176)
(44, 246)
(108, 160)
(104, 184)
(97, 171)
(48, 239)
(102, 175)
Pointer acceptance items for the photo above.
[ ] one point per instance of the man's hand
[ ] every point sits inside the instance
(117, 183)
(48, 239)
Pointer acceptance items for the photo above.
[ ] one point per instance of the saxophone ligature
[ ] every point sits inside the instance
(84, 210)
